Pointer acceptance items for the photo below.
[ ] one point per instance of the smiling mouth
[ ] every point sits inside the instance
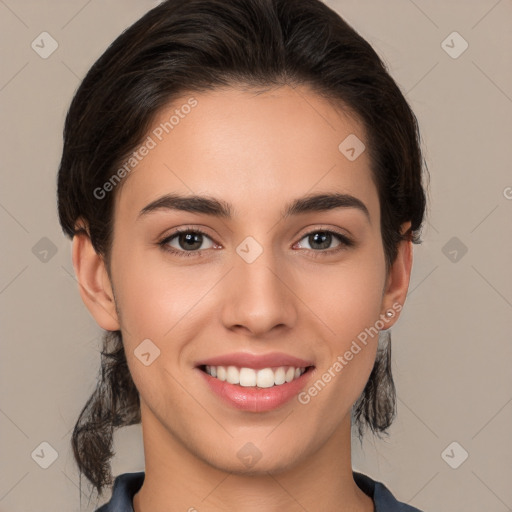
(255, 378)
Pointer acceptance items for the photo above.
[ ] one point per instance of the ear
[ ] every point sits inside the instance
(397, 282)
(95, 287)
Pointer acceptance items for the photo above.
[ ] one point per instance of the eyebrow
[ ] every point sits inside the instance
(218, 208)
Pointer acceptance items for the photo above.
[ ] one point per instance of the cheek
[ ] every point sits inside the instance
(349, 298)
(153, 297)
(349, 304)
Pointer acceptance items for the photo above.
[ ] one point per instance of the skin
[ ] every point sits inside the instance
(257, 152)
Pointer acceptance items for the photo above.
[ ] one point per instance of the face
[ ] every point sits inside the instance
(260, 290)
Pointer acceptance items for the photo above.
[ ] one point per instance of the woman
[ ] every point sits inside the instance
(242, 181)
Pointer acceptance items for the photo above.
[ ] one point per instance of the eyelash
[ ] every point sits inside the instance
(345, 243)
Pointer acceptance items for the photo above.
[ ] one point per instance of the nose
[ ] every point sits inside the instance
(258, 297)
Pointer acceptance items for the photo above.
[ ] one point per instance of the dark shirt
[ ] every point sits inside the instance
(128, 484)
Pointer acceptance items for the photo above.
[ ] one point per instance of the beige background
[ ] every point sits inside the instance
(452, 346)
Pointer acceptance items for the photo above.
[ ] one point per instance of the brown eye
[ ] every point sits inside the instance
(190, 241)
(186, 242)
(321, 241)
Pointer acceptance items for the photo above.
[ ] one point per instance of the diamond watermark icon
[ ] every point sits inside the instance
(44, 250)
(45, 455)
(44, 45)
(249, 250)
(352, 147)
(454, 249)
(454, 455)
(146, 352)
(249, 454)
(454, 45)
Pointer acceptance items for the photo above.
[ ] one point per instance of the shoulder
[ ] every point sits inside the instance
(124, 489)
(383, 499)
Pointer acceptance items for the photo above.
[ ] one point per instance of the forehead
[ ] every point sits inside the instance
(253, 150)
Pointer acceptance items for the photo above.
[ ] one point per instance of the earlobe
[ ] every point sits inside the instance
(94, 283)
(397, 284)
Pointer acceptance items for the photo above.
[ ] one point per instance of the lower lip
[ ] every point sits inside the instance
(256, 399)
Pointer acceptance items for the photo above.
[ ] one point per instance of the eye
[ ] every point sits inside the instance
(322, 239)
(186, 242)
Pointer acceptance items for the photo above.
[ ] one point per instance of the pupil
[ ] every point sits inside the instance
(191, 239)
(323, 236)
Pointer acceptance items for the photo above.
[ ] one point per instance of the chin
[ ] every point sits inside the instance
(260, 468)
(251, 461)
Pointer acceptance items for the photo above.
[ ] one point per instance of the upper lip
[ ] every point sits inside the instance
(247, 360)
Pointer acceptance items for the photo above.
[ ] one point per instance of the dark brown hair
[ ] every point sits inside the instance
(180, 47)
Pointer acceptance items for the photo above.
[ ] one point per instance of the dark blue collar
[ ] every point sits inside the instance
(128, 484)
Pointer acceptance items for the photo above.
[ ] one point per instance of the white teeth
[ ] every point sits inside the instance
(265, 378)
(279, 376)
(221, 372)
(232, 375)
(248, 377)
